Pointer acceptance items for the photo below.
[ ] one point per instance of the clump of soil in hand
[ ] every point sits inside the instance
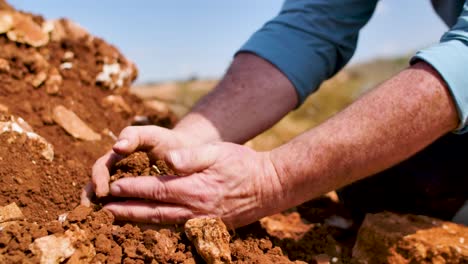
(134, 165)
(139, 164)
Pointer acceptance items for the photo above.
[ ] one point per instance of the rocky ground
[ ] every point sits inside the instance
(64, 96)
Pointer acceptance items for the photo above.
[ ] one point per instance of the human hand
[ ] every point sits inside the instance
(221, 180)
(133, 138)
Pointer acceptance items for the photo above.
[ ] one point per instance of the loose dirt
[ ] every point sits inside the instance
(45, 189)
(64, 97)
(138, 164)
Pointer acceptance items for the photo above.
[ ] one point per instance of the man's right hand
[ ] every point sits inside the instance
(233, 112)
(152, 139)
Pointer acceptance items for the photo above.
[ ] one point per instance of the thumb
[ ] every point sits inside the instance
(192, 160)
(143, 138)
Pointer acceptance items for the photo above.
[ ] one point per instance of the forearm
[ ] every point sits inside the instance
(384, 127)
(252, 96)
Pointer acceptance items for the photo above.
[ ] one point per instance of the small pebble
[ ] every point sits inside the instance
(68, 55)
(66, 66)
(18, 180)
(62, 218)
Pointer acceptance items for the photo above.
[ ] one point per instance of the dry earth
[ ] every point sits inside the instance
(63, 98)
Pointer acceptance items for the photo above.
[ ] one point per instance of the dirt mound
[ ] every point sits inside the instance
(72, 90)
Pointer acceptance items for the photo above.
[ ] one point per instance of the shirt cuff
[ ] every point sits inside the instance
(450, 59)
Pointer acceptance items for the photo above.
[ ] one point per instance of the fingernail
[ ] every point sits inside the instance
(115, 189)
(175, 158)
(110, 207)
(121, 144)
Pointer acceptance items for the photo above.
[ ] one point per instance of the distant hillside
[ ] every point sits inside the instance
(375, 71)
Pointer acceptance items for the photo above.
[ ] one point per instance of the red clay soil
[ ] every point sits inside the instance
(44, 189)
(139, 164)
(70, 71)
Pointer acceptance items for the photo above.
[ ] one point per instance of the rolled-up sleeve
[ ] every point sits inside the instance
(450, 59)
(310, 40)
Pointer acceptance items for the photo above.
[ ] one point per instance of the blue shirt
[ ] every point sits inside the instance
(310, 40)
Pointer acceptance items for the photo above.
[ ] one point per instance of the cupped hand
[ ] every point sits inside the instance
(133, 138)
(223, 180)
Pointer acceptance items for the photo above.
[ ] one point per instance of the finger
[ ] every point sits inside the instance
(168, 189)
(87, 194)
(142, 138)
(149, 212)
(100, 173)
(191, 160)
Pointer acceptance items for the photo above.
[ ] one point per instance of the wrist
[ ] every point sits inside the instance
(197, 129)
(279, 193)
(298, 171)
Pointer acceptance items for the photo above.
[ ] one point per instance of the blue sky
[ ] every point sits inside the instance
(175, 39)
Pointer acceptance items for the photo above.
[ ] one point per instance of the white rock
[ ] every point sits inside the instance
(113, 76)
(66, 66)
(6, 21)
(117, 103)
(10, 212)
(25, 30)
(53, 249)
(211, 239)
(18, 125)
(48, 26)
(68, 55)
(76, 127)
(57, 248)
(62, 218)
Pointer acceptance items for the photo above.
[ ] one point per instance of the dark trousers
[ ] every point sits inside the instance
(433, 182)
